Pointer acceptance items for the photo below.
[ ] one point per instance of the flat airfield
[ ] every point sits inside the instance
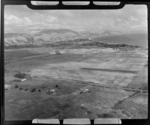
(76, 83)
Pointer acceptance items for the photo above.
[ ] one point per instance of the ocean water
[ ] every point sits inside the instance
(130, 39)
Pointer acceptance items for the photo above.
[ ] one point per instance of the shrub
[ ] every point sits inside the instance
(21, 88)
(33, 90)
(16, 86)
(26, 89)
(57, 52)
(20, 75)
(56, 86)
(16, 80)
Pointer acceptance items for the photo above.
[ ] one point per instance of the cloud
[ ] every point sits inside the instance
(14, 20)
(11, 19)
(51, 19)
(27, 21)
(133, 19)
(128, 19)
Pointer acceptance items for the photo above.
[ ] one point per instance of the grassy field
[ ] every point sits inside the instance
(76, 83)
(17, 54)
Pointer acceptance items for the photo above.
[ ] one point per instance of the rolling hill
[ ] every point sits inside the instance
(66, 37)
(40, 38)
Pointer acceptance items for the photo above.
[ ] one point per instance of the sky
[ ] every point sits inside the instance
(131, 18)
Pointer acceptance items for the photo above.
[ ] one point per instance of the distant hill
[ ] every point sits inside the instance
(66, 37)
(60, 31)
(18, 39)
(40, 38)
(130, 39)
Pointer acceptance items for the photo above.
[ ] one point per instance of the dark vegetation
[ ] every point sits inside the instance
(21, 88)
(86, 42)
(16, 80)
(16, 86)
(57, 52)
(26, 90)
(33, 90)
(21, 76)
(57, 86)
(106, 45)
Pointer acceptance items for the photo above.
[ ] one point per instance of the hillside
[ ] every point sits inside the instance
(40, 38)
(70, 38)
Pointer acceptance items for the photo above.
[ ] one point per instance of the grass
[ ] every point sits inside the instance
(18, 54)
(66, 103)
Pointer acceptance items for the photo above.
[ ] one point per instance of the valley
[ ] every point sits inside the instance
(76, 81)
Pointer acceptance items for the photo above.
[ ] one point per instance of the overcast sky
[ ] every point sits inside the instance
(132, 18)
